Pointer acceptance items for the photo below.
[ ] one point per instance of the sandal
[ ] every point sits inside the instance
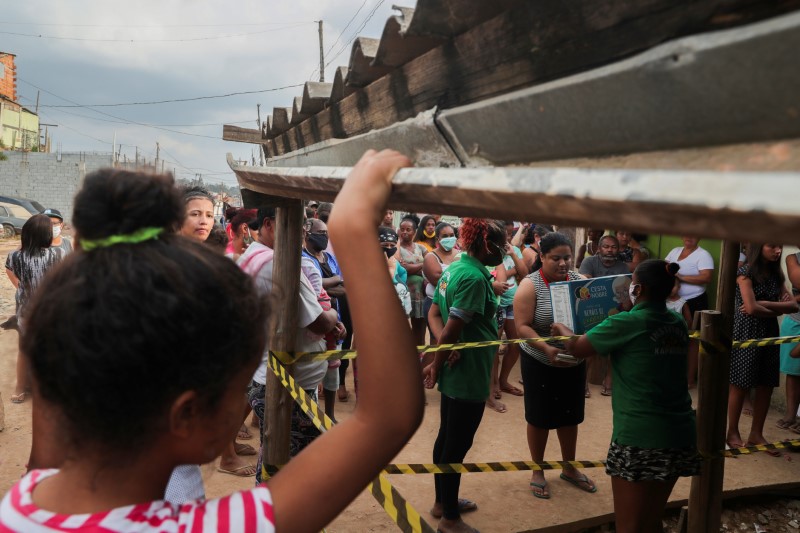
(242, 471)
(464, 506)
(783, 424)
(587, 393)
(543, 493)
(582, 482)
(511, 389)
(606, 391)
(19, 398)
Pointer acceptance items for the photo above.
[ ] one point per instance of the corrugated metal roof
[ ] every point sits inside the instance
(407, 35)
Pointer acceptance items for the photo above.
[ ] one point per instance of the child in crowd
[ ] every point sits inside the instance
(678, 304)
(127, 413)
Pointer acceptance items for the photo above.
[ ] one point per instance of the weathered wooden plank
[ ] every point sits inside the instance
(242, 135)
(742, 206)
(722, 87)
(531, 43)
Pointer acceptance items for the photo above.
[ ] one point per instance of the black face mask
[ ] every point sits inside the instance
(390, 251)
(319, 242)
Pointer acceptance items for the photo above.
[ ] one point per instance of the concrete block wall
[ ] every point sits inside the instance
(50, 179)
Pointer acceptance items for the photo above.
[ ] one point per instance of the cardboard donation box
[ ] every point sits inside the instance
(582, 304)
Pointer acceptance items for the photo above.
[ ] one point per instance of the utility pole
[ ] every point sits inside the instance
(158, 156)
(137, 157)
(39, 133)
(321, 54)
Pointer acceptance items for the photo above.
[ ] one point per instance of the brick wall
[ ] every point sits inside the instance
(42, 177)
(8, 76)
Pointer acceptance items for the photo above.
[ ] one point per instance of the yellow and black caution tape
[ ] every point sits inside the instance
(769, 341)
(399, 510)
(288, 358)
(745, 450)
(502, 466)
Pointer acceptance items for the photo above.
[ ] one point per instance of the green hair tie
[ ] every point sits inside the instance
(141, 235)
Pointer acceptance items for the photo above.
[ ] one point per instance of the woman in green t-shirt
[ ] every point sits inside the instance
(463, 310)
(654, 438)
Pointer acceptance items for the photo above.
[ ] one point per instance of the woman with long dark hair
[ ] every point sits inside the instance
(761, 297)
(25, 268)
(412, 256)
(426, 233)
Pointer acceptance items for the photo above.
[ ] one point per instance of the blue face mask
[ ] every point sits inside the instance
(447, 243)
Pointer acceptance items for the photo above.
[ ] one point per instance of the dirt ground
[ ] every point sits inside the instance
(505, 503)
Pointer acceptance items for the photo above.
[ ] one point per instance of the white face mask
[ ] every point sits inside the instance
(56, 231)
(631, 289)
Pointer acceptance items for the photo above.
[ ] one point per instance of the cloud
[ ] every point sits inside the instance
(92, 71)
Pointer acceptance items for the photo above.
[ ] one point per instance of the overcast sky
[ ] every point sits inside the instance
(109, 52)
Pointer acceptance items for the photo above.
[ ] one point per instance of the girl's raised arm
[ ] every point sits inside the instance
(322, 480)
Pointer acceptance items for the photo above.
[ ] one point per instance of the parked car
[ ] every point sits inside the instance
(12, 217)
(32, 206)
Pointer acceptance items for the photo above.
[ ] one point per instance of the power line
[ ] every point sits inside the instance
(296, 22)
(191, 39)
(239, 93)
(355, 34)
(338, 37)
(125, 121)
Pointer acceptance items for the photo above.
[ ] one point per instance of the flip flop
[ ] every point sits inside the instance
(587, 393)
(543, 487)
(605, 392)
(464, 506)
(244, 449)
(578, 483)
(783, 424)
(514, 391)
(238, 471)
(499, 408)
(19, 398)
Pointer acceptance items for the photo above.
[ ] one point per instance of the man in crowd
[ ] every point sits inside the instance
(606, 261)
(312, 324)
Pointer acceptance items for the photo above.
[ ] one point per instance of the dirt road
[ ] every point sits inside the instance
(504, 499)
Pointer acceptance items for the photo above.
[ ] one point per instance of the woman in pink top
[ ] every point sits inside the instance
(163, 337)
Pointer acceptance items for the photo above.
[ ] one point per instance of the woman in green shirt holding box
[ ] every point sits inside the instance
(654, 437)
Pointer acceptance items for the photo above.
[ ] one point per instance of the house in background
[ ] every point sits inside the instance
(19, 127)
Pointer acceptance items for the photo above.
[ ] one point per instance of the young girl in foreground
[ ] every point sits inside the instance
(654, 440)
(162, 337)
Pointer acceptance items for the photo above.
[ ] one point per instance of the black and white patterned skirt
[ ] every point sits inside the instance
(656, 464)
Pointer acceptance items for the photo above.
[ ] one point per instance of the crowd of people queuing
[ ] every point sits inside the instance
(191, 299)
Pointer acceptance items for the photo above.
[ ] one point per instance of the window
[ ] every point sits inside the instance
(3, 212)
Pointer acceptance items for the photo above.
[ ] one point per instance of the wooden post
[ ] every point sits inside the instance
(716, 331)
(285, 282)
(705, 498)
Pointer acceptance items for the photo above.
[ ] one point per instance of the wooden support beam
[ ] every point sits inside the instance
(705, 498)
(531, 43)
(286, 280)
(242, 135)
(745, 206)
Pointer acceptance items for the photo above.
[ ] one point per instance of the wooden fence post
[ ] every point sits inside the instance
(716, 333)
(285, 283)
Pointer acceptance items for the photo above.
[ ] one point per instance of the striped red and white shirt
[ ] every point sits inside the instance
(246, 511)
